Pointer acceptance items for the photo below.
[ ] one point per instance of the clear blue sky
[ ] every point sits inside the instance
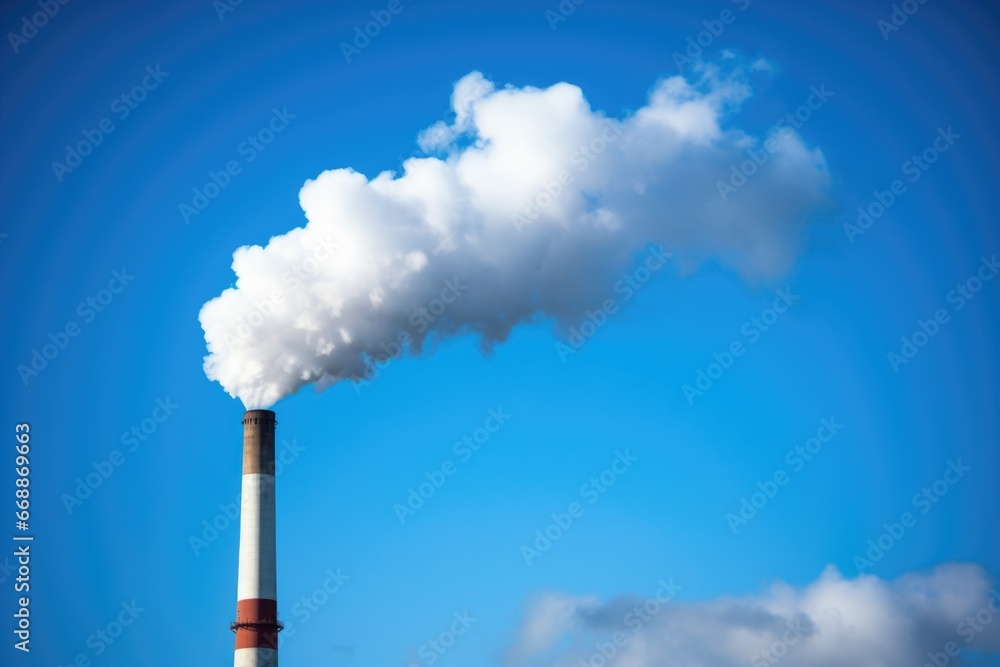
(359, 450)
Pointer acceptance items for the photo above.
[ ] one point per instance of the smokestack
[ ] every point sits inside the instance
(257, 625)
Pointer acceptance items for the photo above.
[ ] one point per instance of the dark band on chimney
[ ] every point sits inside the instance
(258, 442)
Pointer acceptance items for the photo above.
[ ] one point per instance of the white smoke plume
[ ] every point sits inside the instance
(932, 619)
(530, 207)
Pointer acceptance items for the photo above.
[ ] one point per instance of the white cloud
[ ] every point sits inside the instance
(550, 618)
(490, 212)
(831, 622)
(469, 90)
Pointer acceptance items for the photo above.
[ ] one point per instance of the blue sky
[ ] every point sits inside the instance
(355, 451)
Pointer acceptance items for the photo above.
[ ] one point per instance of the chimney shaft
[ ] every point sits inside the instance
(257, 623)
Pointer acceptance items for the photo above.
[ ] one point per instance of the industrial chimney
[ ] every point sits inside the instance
(257, 625)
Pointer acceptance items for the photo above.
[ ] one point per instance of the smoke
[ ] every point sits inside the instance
(919, 619)
(529, 206)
